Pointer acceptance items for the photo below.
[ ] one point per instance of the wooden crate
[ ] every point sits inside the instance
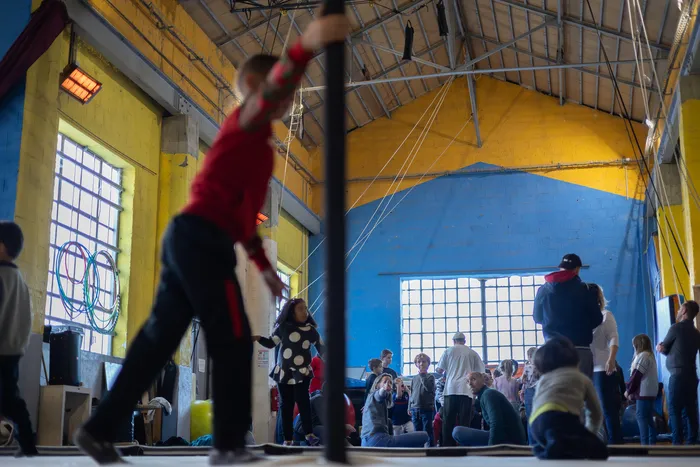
(62, 410)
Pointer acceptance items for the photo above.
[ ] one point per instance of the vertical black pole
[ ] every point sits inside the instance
(334, 141)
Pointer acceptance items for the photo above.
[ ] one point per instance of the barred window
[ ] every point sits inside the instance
(495, 316)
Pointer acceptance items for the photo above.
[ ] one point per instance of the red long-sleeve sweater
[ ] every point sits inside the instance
(231, 186)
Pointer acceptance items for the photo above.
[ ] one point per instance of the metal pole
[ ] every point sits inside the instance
(560, 51)
(334, 124)
(480, 71)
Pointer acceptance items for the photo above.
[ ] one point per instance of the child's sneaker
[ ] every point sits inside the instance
(102, 452)
(312, 440)
(238, 456)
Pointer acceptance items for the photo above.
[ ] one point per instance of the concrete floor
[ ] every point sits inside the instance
(358, 459)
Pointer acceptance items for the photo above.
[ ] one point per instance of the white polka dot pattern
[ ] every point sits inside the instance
(287, 353)
(294, 337)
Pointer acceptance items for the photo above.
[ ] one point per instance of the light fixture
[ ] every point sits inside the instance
(408, 41)
(261, 218)
(442, 19)
(649, 123)
(75, 81)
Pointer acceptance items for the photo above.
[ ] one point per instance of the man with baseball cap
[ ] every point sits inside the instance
(564, 306)
(456, 363)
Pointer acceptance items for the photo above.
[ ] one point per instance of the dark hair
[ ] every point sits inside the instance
(374, 363)
(557, 353)
(260, 64)
(11, 236)
(691, 309)
(386, 353)
(287, 313)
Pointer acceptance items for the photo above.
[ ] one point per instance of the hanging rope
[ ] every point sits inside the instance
(412, 155)
(437, 95)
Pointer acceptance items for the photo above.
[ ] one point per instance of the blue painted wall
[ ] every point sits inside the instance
(513, 221)
(14, 16)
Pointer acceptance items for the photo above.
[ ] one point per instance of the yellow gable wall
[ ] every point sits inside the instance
(519, 127)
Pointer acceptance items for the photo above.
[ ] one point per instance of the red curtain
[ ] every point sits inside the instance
(43, 28)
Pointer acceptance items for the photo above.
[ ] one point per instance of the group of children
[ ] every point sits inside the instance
(562, 408)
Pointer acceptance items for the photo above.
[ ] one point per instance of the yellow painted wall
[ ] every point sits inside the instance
(674, 277)
(139, 25)
(122, 125)
(518, 127)
(690, 151)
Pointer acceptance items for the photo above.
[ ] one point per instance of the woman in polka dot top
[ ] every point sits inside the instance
(295, 332)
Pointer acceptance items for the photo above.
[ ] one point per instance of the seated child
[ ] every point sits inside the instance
(401, 415)
(375, 420)
(562, 391)
(422, 403)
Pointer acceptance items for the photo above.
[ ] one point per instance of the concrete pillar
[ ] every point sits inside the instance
(669, 215)
(261, 313)
(690, 154)
(180, 135)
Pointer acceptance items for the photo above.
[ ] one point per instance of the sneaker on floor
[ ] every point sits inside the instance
(238, 456)
(312, 440)
(102, 452)
(30, 451)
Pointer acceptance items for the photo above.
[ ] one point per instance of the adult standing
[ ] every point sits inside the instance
(605, 344)
(565, 307)
(681, 347)
(456, 363)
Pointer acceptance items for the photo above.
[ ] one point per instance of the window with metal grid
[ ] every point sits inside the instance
(86, 207)
(286, 279)
(495, 316)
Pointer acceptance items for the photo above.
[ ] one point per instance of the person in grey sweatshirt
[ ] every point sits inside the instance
(15, 329)
(562, 392)
(375, 420)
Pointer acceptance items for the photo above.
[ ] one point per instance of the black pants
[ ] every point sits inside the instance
(197, 278)
(560, 435)
(299, 393)
(12, 405)
(457, 412)
(608, 391)
(683, 407)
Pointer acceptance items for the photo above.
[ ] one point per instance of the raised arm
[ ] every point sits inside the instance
(285, 76)
(280, 85)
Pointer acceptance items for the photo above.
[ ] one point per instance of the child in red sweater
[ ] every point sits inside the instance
(198, 260)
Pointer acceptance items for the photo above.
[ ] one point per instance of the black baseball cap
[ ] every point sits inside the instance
(570, 261)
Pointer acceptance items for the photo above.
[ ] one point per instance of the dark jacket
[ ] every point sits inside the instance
(564, 306)
(505, 426)
(681, 346)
